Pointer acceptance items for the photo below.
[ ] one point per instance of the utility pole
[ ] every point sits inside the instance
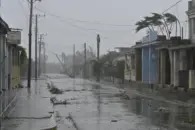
(98, 57)
(44, 57)
(40, 46)
(85, 62)
(30, 43)
(73, 70)
(36, 42)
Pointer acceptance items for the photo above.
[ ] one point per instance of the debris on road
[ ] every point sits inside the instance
(123, 95)
(57, 102)
(74, 90)
(114, 121)
(73, 121)
(53, 89)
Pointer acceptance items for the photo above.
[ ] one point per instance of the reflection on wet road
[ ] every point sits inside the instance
(93, 106)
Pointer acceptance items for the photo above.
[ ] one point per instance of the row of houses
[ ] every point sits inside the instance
(9, 66)
(158, 60)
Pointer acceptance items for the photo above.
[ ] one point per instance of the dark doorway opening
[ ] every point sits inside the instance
(167, 68)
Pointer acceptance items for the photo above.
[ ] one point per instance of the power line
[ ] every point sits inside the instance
(73, 25)
(172, 6)
(98, 22)
(23, 10)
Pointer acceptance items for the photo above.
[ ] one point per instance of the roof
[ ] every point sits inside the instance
(182, 47)
(175, 44)
(147, 44)
(17, 46)
(4, 26)
(122, 47)
(131, 51)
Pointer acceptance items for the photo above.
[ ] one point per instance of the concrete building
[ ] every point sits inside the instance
(130, 65)
(176, 57)
(9, 66)
(175, 62)
(3, 66)
(191, 20)
(146, 61)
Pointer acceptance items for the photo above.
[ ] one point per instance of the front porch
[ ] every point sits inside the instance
(176, 65)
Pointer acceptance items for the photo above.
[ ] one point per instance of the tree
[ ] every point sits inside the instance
(23, 56)
(141, 25)
(170, 19)
(157, 20)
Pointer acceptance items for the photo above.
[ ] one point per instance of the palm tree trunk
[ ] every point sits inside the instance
(166, 28)
(176, 29)
(149, 28)
(180, 31)
(152, 27)
(161, 30)
(171, 27)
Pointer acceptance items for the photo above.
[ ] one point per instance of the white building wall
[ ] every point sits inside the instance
(1, 58)
(191, 21)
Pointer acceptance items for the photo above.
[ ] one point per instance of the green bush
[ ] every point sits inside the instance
(23, 56)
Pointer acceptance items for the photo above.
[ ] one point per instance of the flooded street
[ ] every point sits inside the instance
(93, 106)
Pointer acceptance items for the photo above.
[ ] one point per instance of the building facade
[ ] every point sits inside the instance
(146, 61)
(130, 65)
(9, 69)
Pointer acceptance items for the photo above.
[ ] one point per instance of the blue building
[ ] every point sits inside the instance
(148, 58)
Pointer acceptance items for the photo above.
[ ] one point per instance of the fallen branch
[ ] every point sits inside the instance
(56, 102)
(73, 121)
(53, 89)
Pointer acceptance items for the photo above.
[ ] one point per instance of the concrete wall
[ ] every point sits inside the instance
(153, 71)
(191, 21)
(145, 64)
(149, 65)
(138, 64)
(129, 70)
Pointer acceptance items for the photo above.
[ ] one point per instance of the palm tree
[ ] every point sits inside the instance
(149, 20)
(170, 19)
(162, 21)
(142, 24)
(156, 20)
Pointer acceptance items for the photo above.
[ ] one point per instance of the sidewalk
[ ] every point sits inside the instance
(33, 110)
(159, 93)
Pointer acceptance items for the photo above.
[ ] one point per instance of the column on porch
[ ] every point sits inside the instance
(176, 67)
(162, 67)
(171, 65)
(138, 64)
(183, 59)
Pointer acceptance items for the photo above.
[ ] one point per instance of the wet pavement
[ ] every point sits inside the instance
(32, 110)
(97, 106)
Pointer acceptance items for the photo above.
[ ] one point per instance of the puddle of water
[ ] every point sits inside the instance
(105, 110)
(162, 114)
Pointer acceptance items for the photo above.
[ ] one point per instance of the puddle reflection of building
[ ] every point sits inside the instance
(157, 113)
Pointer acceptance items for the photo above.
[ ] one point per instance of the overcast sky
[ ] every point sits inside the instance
(65, 27)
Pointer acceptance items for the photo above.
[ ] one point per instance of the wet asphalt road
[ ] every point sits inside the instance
(94, 106)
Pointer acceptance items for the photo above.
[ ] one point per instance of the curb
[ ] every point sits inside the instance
(53, 121)
(53, 128)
